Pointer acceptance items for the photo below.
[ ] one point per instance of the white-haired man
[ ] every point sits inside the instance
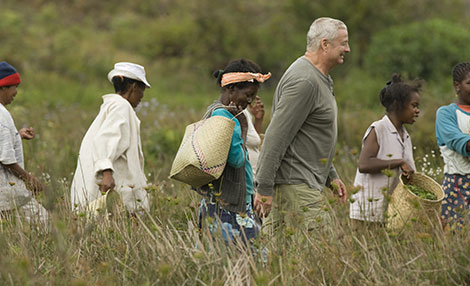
(296, 159)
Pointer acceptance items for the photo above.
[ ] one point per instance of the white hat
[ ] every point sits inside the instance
(129, 70)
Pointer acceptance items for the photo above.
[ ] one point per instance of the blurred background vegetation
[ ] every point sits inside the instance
(64, 49)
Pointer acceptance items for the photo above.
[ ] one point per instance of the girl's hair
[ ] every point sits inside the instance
(396, 94)
(122, 84)
(241, 65)
(460, 71)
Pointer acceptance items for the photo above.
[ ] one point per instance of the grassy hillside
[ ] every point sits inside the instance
(64, 50)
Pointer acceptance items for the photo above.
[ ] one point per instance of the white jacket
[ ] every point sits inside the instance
(112, 142)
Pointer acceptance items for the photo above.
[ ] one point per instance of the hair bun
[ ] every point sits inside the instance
(217, 73)
(396, 78)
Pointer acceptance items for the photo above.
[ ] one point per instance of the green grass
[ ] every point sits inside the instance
(165, 248)
(63, 51)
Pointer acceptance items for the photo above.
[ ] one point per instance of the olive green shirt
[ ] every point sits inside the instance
(300, 141)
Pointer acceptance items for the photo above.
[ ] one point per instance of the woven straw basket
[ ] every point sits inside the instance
(406, 207)
(203, 152)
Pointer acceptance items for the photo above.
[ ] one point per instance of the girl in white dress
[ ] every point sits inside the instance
(386, 152)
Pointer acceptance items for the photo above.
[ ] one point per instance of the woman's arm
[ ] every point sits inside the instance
(31, 181)
(258, 112)
(449, 133)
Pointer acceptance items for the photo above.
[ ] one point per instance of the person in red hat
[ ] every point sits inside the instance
(16, 184)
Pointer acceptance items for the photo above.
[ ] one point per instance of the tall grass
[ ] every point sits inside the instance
(165, 247)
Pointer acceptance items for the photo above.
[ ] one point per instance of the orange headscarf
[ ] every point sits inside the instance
(234, 77)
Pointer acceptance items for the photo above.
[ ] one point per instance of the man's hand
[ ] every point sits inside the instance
(107, 183)
(263, 205)
(340, 189)
(26, 133)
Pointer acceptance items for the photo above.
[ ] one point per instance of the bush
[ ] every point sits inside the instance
(427, 49)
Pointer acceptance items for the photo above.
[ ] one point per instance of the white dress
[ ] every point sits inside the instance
(112, 142)
(369, 201)
(252, 141)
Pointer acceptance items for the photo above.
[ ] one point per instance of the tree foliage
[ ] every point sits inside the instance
(424, 49)
(83, 38)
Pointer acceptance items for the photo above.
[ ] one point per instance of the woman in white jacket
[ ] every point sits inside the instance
(111, 155)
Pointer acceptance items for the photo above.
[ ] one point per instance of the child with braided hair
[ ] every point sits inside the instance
(453, 138)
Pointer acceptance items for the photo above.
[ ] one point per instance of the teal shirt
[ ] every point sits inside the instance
(237, 155)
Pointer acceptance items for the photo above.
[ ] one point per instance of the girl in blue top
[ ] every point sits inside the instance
(453, 138)
(229, 198)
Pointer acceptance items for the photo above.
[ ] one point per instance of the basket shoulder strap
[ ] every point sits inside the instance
(211, 108)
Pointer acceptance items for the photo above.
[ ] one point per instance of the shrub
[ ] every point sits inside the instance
(427, 49)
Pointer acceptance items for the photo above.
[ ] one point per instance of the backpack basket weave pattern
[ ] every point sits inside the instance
(406, 207)
(203, 153)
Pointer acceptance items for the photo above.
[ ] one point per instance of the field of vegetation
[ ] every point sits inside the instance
(64, 50)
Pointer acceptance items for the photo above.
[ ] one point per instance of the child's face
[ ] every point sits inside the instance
(463, 90)
(410, 112)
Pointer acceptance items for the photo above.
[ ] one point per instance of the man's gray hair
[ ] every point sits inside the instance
(323, 28)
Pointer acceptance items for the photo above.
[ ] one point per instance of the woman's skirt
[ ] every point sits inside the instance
(231, 225)
(455, 206)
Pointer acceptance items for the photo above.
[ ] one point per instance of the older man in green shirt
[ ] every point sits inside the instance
(296, 158)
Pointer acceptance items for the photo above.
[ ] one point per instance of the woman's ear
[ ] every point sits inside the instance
(457, 86)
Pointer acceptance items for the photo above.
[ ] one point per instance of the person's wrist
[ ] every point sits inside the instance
(26, 177)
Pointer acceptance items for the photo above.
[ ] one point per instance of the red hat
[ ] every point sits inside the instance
(8, 75)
